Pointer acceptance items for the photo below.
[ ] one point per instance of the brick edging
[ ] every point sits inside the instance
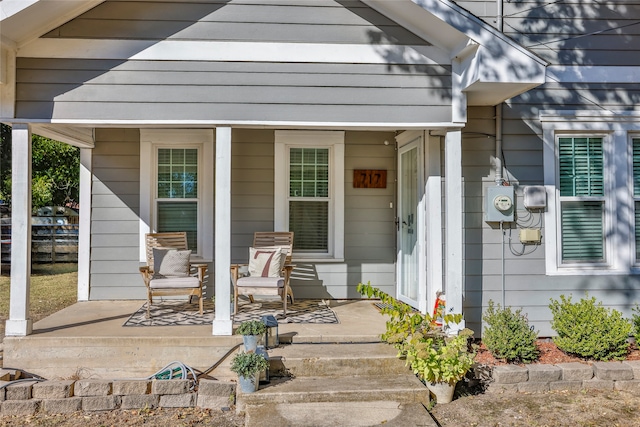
(64, 396)
(537, 378)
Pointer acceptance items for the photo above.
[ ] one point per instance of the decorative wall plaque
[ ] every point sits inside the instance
(370, 178)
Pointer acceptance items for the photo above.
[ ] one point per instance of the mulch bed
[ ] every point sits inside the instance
(549, 355)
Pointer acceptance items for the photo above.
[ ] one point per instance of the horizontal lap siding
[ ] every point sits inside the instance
(402, 87)
(369, 226)
(115, 221)
(570, 32)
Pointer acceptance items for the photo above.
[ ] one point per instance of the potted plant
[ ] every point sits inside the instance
(252, 331)
(440, 361)
(248, 367)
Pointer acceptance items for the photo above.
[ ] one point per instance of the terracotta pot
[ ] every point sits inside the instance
(443, 392)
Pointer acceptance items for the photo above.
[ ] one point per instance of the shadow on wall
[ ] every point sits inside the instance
(306, 283)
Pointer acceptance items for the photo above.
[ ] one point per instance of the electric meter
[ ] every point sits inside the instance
(499, 204)
(502, 203)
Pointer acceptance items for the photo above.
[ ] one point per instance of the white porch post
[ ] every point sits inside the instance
(453, 222)
(222, 324)
(19, 323)
(84, 231)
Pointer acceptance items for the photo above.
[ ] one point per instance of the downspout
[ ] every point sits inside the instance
(498, 175)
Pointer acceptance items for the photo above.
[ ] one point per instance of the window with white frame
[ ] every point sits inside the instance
(309, 192)
(592, 173)
(582, 199)
(176, 190)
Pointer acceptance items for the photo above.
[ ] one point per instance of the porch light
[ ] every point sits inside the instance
(271, 338)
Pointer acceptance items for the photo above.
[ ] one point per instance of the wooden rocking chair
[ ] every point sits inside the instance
(269, 268)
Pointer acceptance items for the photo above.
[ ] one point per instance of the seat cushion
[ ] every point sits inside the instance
(170, 263)
(265, 262)
(261, 282)
(175, 282)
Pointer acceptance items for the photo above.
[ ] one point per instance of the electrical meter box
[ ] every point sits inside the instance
(499, 204)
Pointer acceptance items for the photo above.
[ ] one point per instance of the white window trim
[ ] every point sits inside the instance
(617, 129)
(150, 141)
(335, 141)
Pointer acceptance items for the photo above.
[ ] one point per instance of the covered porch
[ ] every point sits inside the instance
(88, 340)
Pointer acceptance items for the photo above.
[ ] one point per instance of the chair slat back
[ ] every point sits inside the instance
(284, 239)
(175, 240)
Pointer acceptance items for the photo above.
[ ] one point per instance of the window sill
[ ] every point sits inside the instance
(593, 272)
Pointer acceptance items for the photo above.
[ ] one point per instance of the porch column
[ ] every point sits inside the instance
(453, 222)
(222, 324)
(84, 230)
(19, 323)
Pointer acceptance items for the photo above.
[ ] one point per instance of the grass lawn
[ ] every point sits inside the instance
(53, 287)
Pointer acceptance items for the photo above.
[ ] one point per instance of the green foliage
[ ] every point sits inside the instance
(431, 355)
(440, 359)
(55, 170)
(508, 335)
(635, 321)
(58, 164)
(248, 364)
(589, 330)
(251, 327)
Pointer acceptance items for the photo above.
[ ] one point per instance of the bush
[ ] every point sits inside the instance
(589, 330)
(251, 327)
(635, 320)
(508, 335)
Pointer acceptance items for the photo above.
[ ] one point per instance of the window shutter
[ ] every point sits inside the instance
(581, 166)
(636, 191)
(582, 231)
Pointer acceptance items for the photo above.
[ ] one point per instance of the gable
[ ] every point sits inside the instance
(307, 61)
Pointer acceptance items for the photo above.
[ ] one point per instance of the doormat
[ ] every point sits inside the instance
(183, 313)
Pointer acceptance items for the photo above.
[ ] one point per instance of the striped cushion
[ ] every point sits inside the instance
(170, 263)
(265, 262)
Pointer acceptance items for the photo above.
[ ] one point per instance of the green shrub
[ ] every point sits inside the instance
(251, 327)
(508, 335)
(635, 320)
(589, 330)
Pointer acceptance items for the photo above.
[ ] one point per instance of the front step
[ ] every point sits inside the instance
(336, 382)
(340, 414)
(303, 360)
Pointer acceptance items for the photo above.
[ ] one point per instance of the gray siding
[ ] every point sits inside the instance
(115, 213)
(569, 32)
(396, 90)
(369, 226)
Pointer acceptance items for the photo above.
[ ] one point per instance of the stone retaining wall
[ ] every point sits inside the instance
(537, 378)
(56, 397)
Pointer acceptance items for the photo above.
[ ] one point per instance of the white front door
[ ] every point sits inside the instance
(410, 222)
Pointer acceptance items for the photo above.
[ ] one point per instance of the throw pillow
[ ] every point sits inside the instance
(265, 262)
(170, 263)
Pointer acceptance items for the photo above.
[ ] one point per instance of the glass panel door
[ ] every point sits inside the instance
(408, 199)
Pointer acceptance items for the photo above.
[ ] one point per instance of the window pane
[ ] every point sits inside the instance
(309, 172)
(178, 173)
(179, 216)
(581, 162)
(582, 231)
(310, 223)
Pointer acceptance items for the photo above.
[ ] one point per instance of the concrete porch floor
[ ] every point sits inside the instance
(87, 340)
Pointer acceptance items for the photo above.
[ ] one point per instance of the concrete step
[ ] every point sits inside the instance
(368, 388)
(305, 360)
(340, 414)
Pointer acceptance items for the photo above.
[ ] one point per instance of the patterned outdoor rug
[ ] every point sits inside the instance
(177, 313)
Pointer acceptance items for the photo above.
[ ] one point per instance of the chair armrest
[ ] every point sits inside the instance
(145, 271)
(202, 270)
